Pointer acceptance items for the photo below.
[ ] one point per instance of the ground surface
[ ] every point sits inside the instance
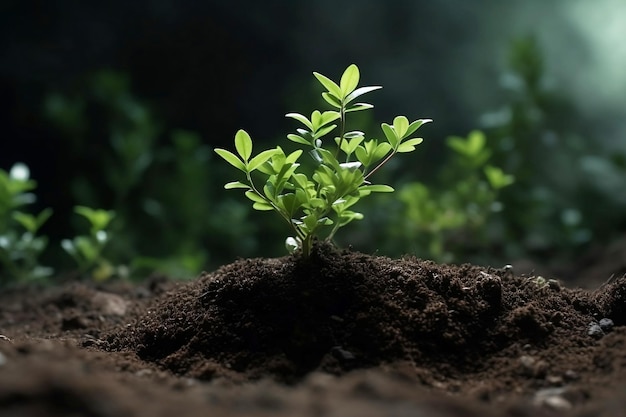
(342, 334)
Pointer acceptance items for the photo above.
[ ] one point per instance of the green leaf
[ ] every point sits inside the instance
(325, 221)
(329, 116)
(359, 92)
(270, 187)
(298, 139)
(390, 134)
(289, 203)
(328, 84)
(324, 131)
(400, 125)
(348, 216)
(310, 222)
(353, 134)
(317, 203)
(243, 144)
(377, 188)
(86, 248)
(316, 119)
(231, 158)
(262, 207)
(261, 158)
(349, 80)
(382, 149)
(409, 145)
(416, 125)
(332, 100)
(32, 223)
(235, 184)
(301, 180)
(252, 195)
(27, 221)
(98, 218)
(471, 147)
(456, 143)
(349, 146)
(359, 107)
(293, 156)
(497, 178)
(476, 142)
(362, 156)
(301, 118)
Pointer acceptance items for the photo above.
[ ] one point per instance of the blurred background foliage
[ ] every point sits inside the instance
(118, 105)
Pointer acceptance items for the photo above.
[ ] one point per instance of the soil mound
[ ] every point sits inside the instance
(339, 311)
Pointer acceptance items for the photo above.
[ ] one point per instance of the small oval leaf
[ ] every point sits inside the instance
(301, 118)
(349, 80)
(243, 144)
(329, 84)
(359, 92)
(231, 158)
(332, 100)
(235, 184)
(400, 125)
(262, 207)
(261, 158)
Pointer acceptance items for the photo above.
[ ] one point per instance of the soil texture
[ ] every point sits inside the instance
(338, 334)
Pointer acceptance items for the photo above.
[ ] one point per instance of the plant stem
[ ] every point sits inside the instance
(380, 165)
(342, 129)
(306, 246)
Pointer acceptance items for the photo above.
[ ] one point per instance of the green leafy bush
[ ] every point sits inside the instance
(568, 189)
(323, 198)
(161, 183)
(20, 245)
(449, 219)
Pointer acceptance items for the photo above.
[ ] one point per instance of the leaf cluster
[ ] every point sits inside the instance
(343, 163)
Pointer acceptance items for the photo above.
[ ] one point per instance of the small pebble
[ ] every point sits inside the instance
(533, 367)
(606, 324)
(342, 354)
(594, 330)
(143, 373)
(557, 403)
(556, 380)
(552, 398)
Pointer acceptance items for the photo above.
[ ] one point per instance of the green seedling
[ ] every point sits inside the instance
(87, 250)
(344, 163)
(20, 246)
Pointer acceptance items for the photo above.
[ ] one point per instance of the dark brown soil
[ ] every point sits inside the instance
(339, 334)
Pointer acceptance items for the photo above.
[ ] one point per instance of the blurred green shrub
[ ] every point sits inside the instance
(449, 219)
(560, 202)
(173, 217)
(160, 183)
(20, 245)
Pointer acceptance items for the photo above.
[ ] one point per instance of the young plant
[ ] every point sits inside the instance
(344, 162)
(20, 247)
(86, 250)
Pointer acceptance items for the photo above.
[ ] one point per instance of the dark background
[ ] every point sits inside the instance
(213, 67)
